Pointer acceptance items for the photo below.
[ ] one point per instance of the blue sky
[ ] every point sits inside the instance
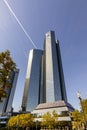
(68, 18)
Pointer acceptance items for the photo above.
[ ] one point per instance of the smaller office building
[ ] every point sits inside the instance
(60, 107)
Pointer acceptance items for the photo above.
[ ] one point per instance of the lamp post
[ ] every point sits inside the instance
(18, 122)
(36, 124)
(80, 98)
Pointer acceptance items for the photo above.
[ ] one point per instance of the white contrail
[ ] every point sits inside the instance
(19, 23)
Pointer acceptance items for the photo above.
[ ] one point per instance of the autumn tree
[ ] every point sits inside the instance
(21, 121)
(80, 117)
(84, 109)
(77, 119)
(49, 119)
(13, 121)
(6, 66)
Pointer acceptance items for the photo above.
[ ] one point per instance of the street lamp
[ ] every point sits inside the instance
(18, 121)
(36, 124)
(80, 98)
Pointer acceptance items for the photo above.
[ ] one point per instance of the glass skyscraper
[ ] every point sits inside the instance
(53, 73)
(44, 79)
(33, 79)
(6, 105)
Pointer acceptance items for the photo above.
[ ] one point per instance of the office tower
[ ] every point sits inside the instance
(53, 73)
(32, 83)
(6, 105)
(45, 79)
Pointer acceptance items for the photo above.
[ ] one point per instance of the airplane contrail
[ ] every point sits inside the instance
(19, 23)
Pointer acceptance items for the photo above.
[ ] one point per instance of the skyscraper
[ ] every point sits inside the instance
(32, 83)
(45, 79)
(53, 73)
(6, 105)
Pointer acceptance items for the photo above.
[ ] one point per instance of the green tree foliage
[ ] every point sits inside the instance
(20, 121)
(77, 120)
(77, 116)
(84, 109)
(49, 120)
(80, 117)
(54, 114)
(6, 66)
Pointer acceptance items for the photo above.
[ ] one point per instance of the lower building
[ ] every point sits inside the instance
(60, 107)
(63, 109)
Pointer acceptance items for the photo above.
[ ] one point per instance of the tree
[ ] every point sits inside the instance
(77, 119)
(84, 108)
(6, 66)
(20, 121)
(13, 121)
(80, 117)
(84, 111)
(26, 120)
(49, 120)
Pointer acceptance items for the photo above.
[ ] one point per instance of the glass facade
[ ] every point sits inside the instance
(44, 78)
(12, 91)
(33, 75)
(61, 75)
(54, 82)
